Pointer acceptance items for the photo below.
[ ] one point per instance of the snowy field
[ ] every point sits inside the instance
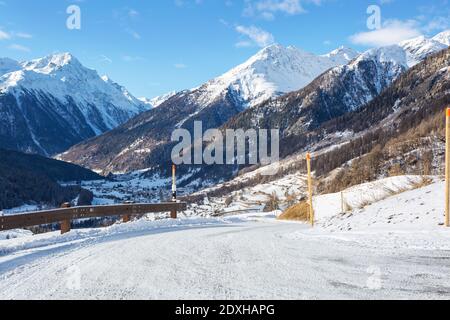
(393, 248)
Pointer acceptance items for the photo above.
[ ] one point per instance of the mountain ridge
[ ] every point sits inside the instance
(51, 103)
(139, 144)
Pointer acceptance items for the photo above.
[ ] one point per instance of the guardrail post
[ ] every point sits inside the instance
(65, 224)
(126, 218)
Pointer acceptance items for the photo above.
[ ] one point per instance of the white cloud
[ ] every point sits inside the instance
(180, 3)
(437, 24)
(133, 33)
(255, 36)
(104, 58)
(243, 44)
(180, 66)
(19, 47)
(267, 9)
(4, 35)
(128, 18)
(132, 13)
(23, 35)
(128, 58)
(287, 6)
(392, 32)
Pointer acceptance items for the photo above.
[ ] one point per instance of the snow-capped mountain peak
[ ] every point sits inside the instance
(419, 48)
(272, 71)
(342, 54)
(51, 63)
(407, 53)
(443, 37)
(61, 89)
(393, 54)
(157, 101)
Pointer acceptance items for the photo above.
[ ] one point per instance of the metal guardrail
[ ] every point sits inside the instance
(64, 216)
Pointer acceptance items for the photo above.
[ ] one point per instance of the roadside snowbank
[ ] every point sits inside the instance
(360, 196)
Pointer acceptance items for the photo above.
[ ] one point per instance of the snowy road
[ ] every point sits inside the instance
(235, 259)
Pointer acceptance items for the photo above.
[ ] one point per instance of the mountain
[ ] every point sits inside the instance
(338, 91)
(26, 178)
(301, 115)
(157, 101)
(273, 71)
(402, 131)
(144, 140)
(443, 37)
(419, 48)
(52, 103)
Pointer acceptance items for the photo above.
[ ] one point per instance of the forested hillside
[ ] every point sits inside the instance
(34, 179)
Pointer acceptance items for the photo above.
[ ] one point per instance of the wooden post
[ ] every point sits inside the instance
(126, 218)
(65, 224)
(447, 169)
(310, 191)
(173, 214)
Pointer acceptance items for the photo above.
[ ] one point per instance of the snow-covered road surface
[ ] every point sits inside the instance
(253, 258)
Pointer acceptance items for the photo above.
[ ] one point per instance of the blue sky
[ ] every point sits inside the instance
(155, 46)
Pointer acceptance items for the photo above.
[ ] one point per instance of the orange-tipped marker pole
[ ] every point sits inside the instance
(447, 168)
(174, 183)
(310, 191)
(173, 214)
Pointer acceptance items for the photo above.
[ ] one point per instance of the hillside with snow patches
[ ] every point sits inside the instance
(58, 91)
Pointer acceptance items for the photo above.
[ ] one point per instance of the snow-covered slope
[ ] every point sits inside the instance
(443, 37)
(419, 48)
(60, 89)
(386, 204)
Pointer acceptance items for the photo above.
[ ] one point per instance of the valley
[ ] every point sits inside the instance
(372, 123)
